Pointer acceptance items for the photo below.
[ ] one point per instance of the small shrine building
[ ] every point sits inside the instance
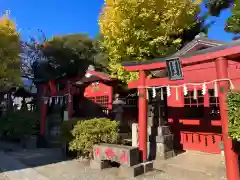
(194, 83)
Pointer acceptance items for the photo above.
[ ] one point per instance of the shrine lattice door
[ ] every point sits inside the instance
(100, 94)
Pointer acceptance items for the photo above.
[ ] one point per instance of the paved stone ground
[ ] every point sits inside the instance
(41, 161)
(49, 164)
(75, 170)
(194, 166)
(3, 176)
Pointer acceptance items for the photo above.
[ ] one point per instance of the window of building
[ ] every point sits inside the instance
(189, 100)
(194, 108)
(60, 86)
(213, 103)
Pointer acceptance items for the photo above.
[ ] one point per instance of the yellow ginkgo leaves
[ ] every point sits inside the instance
(139, 30)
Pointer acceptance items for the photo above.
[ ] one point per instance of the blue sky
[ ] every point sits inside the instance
(56, 17)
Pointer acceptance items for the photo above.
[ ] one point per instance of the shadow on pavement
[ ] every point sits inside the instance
(29, 158)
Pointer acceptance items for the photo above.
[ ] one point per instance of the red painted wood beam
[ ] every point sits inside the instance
(133, 84)
(70, 101)
(43, 119)
(231, 157)
(142, 115)
(228, 52)
(43, 111)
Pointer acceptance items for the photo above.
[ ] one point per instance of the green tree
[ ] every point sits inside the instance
(101, 55)
(32, 55)
(140, 30)
(68, 55)
(216, 6)
(71, 55)
(10, 74)
(233, 23)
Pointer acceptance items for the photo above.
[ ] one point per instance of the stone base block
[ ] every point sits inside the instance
(159, 147)
(156, 121)
(131, 172)
(159, 130)
(124, 135)
(164, 147)
(165, 155)
(150, 120)
(162, 139)
(163, 130)
(99, 165)
(148, 166)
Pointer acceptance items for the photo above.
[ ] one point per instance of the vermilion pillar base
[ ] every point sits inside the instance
(43, 119)
(231, 157)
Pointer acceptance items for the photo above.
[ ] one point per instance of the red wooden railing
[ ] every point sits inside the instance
(199, 141)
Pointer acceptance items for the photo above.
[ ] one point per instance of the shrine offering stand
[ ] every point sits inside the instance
(127, 156)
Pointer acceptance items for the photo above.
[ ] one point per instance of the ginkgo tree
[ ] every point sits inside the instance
(10, 73)
(140, 30)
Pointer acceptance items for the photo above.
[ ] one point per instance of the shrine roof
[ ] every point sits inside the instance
(199, 43)
(22, 92)
(94, 76)
(219, 47)
(101, 75)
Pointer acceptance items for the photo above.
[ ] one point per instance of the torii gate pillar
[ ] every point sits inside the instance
(231, 157)
(142, 115)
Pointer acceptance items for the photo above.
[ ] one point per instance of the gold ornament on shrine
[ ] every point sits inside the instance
(95, 86)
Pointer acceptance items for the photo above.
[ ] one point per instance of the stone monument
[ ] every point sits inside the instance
(128, 158)
(160, 138)
(118, 109)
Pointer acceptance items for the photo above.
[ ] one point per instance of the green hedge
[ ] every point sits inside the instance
(86, 133)
(19, 124)
(234, 115)
(66, 128)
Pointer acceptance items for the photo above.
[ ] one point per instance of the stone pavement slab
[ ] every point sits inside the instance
(194, 166)
(78, 170)
(3, 176)
(49, 165)
(15, 170)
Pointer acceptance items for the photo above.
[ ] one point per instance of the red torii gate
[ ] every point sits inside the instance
(220, 55)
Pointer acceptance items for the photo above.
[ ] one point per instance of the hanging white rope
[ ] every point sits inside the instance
(45, 101)
(154, 94)
(195, 93)
(48, 97)
(168, 91)
(50, 100)
(56, 99)
(185, 90)
(177, 95)
(147, 94)
(215, 89)
(161, 93)
(204, 89)
(69, 98)
(191, 84)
